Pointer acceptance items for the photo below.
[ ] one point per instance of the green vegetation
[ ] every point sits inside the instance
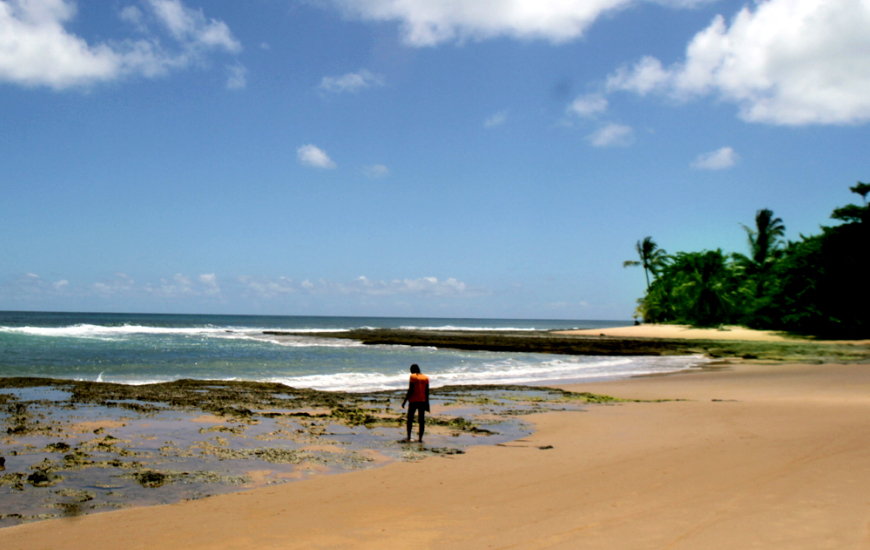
(816, 285)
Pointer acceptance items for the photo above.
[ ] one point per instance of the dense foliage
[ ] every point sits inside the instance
(816, 285)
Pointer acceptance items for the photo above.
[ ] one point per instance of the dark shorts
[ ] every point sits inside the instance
(417, 406)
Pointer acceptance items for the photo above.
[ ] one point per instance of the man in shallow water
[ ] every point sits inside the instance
(417, 399)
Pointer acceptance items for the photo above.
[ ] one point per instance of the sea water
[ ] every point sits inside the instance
(149, 348)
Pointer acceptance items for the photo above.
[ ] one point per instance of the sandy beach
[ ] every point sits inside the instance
(751, 456)
(685, 332)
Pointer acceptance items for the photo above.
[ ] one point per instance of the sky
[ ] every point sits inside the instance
(431, 158)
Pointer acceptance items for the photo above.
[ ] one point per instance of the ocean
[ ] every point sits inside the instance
(150, 348)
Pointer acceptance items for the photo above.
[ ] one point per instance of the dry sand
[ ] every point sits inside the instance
(686, 332)
(759, 456)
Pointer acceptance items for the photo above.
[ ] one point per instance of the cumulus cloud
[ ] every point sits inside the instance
(311, 155)
(37, 49)
(719, 159)
(645, 76)
(497, 119)
(784, 62)
(612, 135)
(588, 105)
(376, 171)
(351, 82)
(431, 22)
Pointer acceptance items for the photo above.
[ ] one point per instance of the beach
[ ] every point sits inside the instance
(684, 332)
(741, 455)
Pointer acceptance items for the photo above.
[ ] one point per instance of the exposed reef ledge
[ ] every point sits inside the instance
(549, 342)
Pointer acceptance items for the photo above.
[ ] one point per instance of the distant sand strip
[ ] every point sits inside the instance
(685, 332)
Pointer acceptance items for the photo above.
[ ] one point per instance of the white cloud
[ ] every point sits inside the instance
(612, 135)
(497, 119)
(430, 22)
(646, 75)
(311, 155)
(191, 27)
(351, 82)
(376, 171)
(181, 286)
(719, 159)
(237, 79)
(134, 16)
(30, 287)
(120, 284)
(182, 280)
(423, 285)
(588, 105)
(209, 284)
(785, 62)
(267, 288)
(362, 286)
(36, 49)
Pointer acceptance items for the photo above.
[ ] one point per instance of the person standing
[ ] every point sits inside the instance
(417, 399)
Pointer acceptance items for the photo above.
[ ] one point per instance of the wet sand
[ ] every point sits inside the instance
(752, 456)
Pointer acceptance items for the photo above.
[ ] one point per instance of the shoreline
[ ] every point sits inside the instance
(772, 456)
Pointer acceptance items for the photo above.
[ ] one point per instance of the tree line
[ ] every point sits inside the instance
(816, 285)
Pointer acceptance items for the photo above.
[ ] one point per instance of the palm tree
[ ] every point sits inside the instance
(765, 246)
(651, 257)
(862, 189)
(765, 238)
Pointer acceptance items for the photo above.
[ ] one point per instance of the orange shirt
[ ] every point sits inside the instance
(419, 384)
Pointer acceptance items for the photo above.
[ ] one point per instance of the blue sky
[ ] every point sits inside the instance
(410, 157)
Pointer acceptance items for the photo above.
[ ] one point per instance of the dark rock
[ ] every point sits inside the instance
(43, 478)
(150, 478)
(59, 447)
